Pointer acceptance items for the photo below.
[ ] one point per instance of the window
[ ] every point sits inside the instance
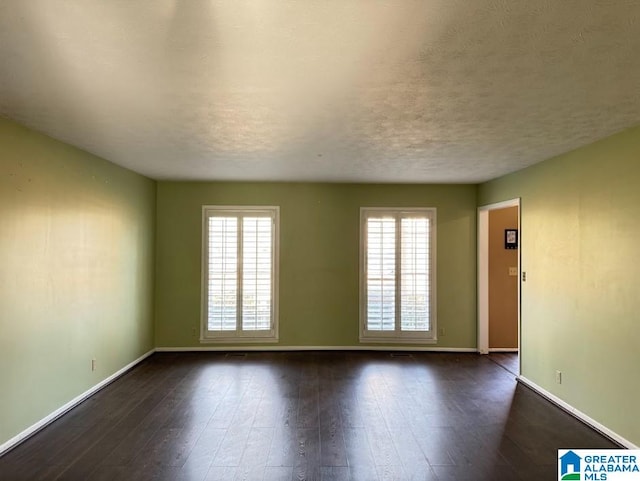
(240, 275)
(397, 275)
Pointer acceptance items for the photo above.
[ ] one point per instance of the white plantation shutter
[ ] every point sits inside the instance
(414, 285)
(398, 274)
(381, 274)
(256, 273)
(239, 276)
(223, 273)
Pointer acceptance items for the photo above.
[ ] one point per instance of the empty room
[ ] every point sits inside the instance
(310, 240)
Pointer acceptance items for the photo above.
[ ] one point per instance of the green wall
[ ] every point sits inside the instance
(76, 282)
(319, 242)
(581, 304)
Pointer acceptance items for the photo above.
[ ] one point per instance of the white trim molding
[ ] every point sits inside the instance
(503, 349)
(483, 270)
(392, 244)
(577, 414)
(235, 236)
(315, 348)
(44, 422)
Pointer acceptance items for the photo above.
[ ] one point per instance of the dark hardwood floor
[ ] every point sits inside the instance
(306, 416)
(507, 360)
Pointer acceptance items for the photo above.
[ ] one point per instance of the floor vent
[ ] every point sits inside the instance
(237, 355)
(401, 354)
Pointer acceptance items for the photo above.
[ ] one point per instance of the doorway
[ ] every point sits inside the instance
(499, 283)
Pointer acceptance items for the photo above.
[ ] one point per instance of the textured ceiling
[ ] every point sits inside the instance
(332, 90)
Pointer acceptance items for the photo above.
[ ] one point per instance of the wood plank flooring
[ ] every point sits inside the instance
(508, 360)
(298, 416)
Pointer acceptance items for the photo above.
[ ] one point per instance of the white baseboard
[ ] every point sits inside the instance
(578, 414)
(503, 349)
(31, 430)
(317, 348)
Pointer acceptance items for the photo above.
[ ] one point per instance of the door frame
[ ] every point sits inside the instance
(483, 273)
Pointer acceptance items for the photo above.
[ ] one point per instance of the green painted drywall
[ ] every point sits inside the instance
(319, 259)
(580, 304)
(76, 282)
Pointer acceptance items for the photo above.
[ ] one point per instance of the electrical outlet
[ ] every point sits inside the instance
(193, 332)
(93, 364)
(559, 377)
(513, 271)
(442, 331)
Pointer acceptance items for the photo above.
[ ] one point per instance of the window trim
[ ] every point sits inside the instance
(397, 336)
(267, 336)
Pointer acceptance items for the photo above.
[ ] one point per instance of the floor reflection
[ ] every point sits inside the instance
(306, 416)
